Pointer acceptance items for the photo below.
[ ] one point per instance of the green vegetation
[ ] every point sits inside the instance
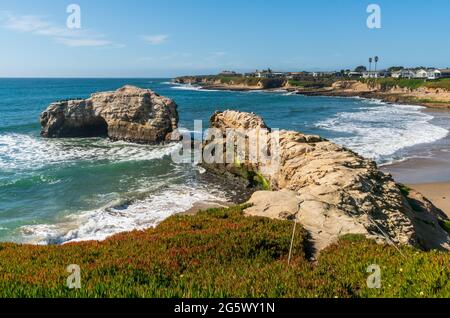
(262, 181)
(445, 224)
(441, 83)
(265, 83)
(388, 83)
(220, 253)
(311, 84)
(254, 179)
(428, 101)
(238, 80)
(405, 190)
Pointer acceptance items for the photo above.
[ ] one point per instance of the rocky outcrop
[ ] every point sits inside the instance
(424, 96)
(236, 83)
(331, 190)
(130, 114)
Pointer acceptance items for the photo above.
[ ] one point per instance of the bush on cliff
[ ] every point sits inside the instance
(441, 83)
(220, 253)
(388, 83)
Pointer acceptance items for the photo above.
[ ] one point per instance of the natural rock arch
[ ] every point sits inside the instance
(130, 114)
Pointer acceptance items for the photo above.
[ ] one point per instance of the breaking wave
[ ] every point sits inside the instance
(381, 132)
(119, 217)
(20, 152)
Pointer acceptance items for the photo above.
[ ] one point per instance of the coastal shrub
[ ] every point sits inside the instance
(404, 189)
(311, 83)
(220, 253)
(389, 83)
(428, 101)
(440, 83)
(238, 80)
(445, 224)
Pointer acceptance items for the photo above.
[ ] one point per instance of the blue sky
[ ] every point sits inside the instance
(164, 38)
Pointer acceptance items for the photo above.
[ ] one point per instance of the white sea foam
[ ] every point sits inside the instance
(18, 151)
(102, 223)
(378, 132)
(189, 87)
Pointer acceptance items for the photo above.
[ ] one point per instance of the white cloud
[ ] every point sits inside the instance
(155, 39)
(39, 26)
(83, 42)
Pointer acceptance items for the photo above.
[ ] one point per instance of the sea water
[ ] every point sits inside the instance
(54, 191)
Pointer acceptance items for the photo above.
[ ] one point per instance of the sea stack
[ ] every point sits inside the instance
(330, 190)
(129, 114)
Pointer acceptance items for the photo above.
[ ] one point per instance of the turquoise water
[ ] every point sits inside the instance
(56, 191)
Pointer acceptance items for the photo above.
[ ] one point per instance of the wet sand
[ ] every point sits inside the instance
(429, 176)
(420, 170)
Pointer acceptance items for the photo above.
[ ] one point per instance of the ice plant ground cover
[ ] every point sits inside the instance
(220, 253)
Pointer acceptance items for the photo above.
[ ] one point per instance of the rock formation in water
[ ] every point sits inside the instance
(130, 114)
(329, 189)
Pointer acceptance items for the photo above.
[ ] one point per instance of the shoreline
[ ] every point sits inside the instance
(386, 97)
(425, 175)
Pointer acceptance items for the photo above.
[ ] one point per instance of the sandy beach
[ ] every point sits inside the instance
(429, 176)
(438, 193)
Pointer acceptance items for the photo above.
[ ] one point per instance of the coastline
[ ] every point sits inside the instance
(401, 97)
(428, 175)
(211, 246)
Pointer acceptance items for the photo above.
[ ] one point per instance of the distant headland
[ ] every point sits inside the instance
(423, 86)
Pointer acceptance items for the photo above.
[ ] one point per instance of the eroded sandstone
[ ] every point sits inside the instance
(129, 113)
(332, 190)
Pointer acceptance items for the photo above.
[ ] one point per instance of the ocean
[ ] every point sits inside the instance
(68, 190)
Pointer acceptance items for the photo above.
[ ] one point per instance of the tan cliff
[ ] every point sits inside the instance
(237, 83)
(330, 190)
(425, 96)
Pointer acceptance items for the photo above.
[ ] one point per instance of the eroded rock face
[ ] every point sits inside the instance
(338, 192)
(130, 114)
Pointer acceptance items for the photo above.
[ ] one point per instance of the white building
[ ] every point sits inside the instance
(421, 74)
(404, 73)
(430, 74)
(434, 74)
(355, 74)
(445, 73)
(375, 74)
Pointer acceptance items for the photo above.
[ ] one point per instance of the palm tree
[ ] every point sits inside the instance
(376, 61)
(370, 64)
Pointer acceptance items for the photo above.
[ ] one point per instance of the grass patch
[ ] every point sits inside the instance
(313, 84)
(440, 83)
(219, 253)
(404, 189)
(429, 101)
(389, 83)
(445, 224)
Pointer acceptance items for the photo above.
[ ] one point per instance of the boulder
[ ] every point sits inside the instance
(337, 191)
(130, 114)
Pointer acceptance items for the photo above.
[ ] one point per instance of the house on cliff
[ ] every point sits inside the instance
(445, 73)
(430, 74)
